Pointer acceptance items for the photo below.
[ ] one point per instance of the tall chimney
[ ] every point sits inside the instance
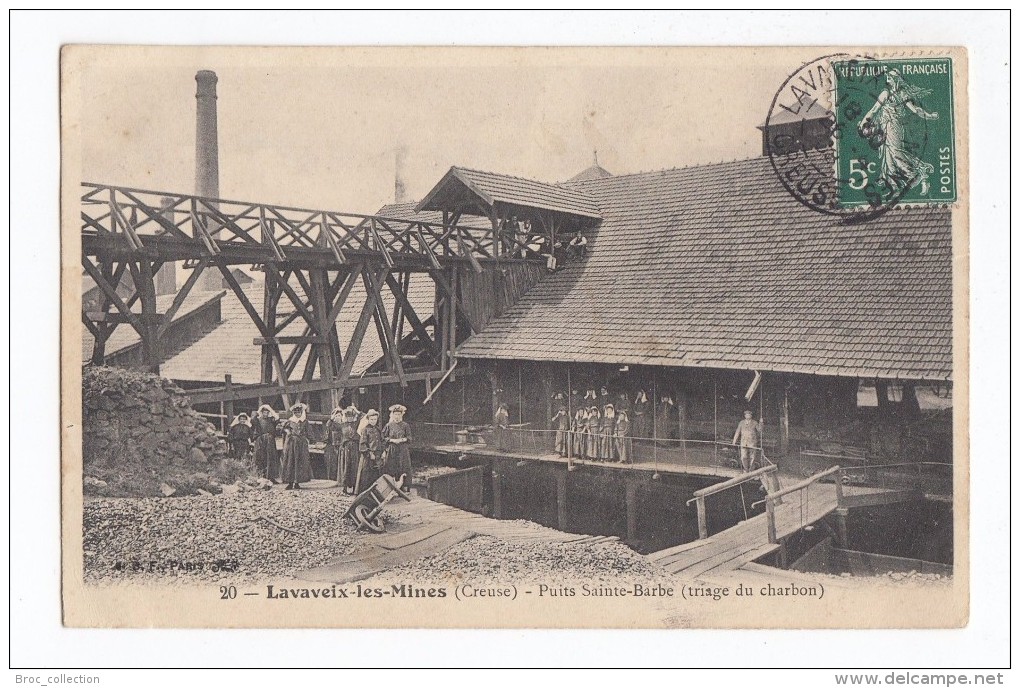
(207, 156)
(399, 187)
(166, 276)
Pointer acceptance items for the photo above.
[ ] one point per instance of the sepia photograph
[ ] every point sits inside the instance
(515, 337)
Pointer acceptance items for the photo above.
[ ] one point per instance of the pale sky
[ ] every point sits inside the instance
(319, 128)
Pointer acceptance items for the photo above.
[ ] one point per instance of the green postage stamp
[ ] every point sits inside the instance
(895, 122)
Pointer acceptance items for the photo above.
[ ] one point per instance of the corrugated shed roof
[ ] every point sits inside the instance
(228, 348)
(718, 266)
(491, 188)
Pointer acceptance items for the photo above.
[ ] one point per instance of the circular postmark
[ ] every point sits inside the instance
(836, 142)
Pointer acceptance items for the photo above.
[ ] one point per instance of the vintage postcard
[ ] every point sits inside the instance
(515, 337)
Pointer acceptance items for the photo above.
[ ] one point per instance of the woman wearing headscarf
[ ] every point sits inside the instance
(349, 448)
(501, 427)
(397, 437)
(265, 430)
(576, 432)
(333, 436)
(642, 412)
(593, 427)
(370, 446)
(239, 437)
(607, 431)
(297, 467)
(622, 440)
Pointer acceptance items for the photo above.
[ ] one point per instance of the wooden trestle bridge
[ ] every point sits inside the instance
(312, 261)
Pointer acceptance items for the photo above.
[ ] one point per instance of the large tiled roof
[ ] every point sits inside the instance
(718, 266)
(228, 348)
(491, 188)
(406, 211)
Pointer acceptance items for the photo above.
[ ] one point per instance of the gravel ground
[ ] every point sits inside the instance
(485, 559)
(132, 532)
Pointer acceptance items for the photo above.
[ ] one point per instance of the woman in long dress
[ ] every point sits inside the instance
(349, 449)
(297, 467)
(885, 123)
(576, 436)
(593, 427)
(267, 456)
(239, 437)
(607, 447)
(370, 464)
(333, 435)
(622, 440)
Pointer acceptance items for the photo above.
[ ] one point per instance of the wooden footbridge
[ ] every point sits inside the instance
(313, 261)
(788, 511)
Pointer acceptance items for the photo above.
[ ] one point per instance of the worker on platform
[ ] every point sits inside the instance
(333, 438)
(370, 463)
(607, 433)
(349, 447)
(561, 422)
(576, 427)
(239, 437)
(578, 246)
(396, 438)
(265, 430)
(748, 438)
(501, 427)
(624, 448)
(642, 414)
(592, 428)
(297, 465)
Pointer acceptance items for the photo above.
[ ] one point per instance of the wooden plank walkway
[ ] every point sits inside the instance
(427, 511)
(748, 540)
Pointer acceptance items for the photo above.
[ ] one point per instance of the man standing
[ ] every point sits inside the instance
(396, 436)
(748, 438)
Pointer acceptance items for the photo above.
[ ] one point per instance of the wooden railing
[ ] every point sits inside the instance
(765, 473)
(771, 499)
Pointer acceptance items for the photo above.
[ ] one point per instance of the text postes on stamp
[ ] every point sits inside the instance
(854, 136)
(895, 124)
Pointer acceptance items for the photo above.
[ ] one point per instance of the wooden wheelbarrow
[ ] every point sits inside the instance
(367, 506)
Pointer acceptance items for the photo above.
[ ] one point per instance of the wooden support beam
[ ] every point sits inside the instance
(412, 317)
(182, 295)
(110, 292)
(310, 339)
(390, 347)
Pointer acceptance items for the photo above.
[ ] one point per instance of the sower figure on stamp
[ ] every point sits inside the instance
(239, 437)
(561, 421)
(370, 446)
(349, 447)
(748, 438)
(396, 436)
(267, 457)
(334, 439)
(297, 465)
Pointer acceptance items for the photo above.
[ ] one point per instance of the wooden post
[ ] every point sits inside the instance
(632, 512)
(228, 404)
(562, 513)
(497, 493)
(702, 518)
(784, 420)
(842, 531)
(770, 516)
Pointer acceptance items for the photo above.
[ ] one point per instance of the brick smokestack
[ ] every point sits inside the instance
(399, 185)
(207, 157)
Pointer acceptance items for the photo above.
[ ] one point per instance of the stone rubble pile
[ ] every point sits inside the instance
(140, 433)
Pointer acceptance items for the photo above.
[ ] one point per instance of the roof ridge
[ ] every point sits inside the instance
(670, 169)
(510, 176)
